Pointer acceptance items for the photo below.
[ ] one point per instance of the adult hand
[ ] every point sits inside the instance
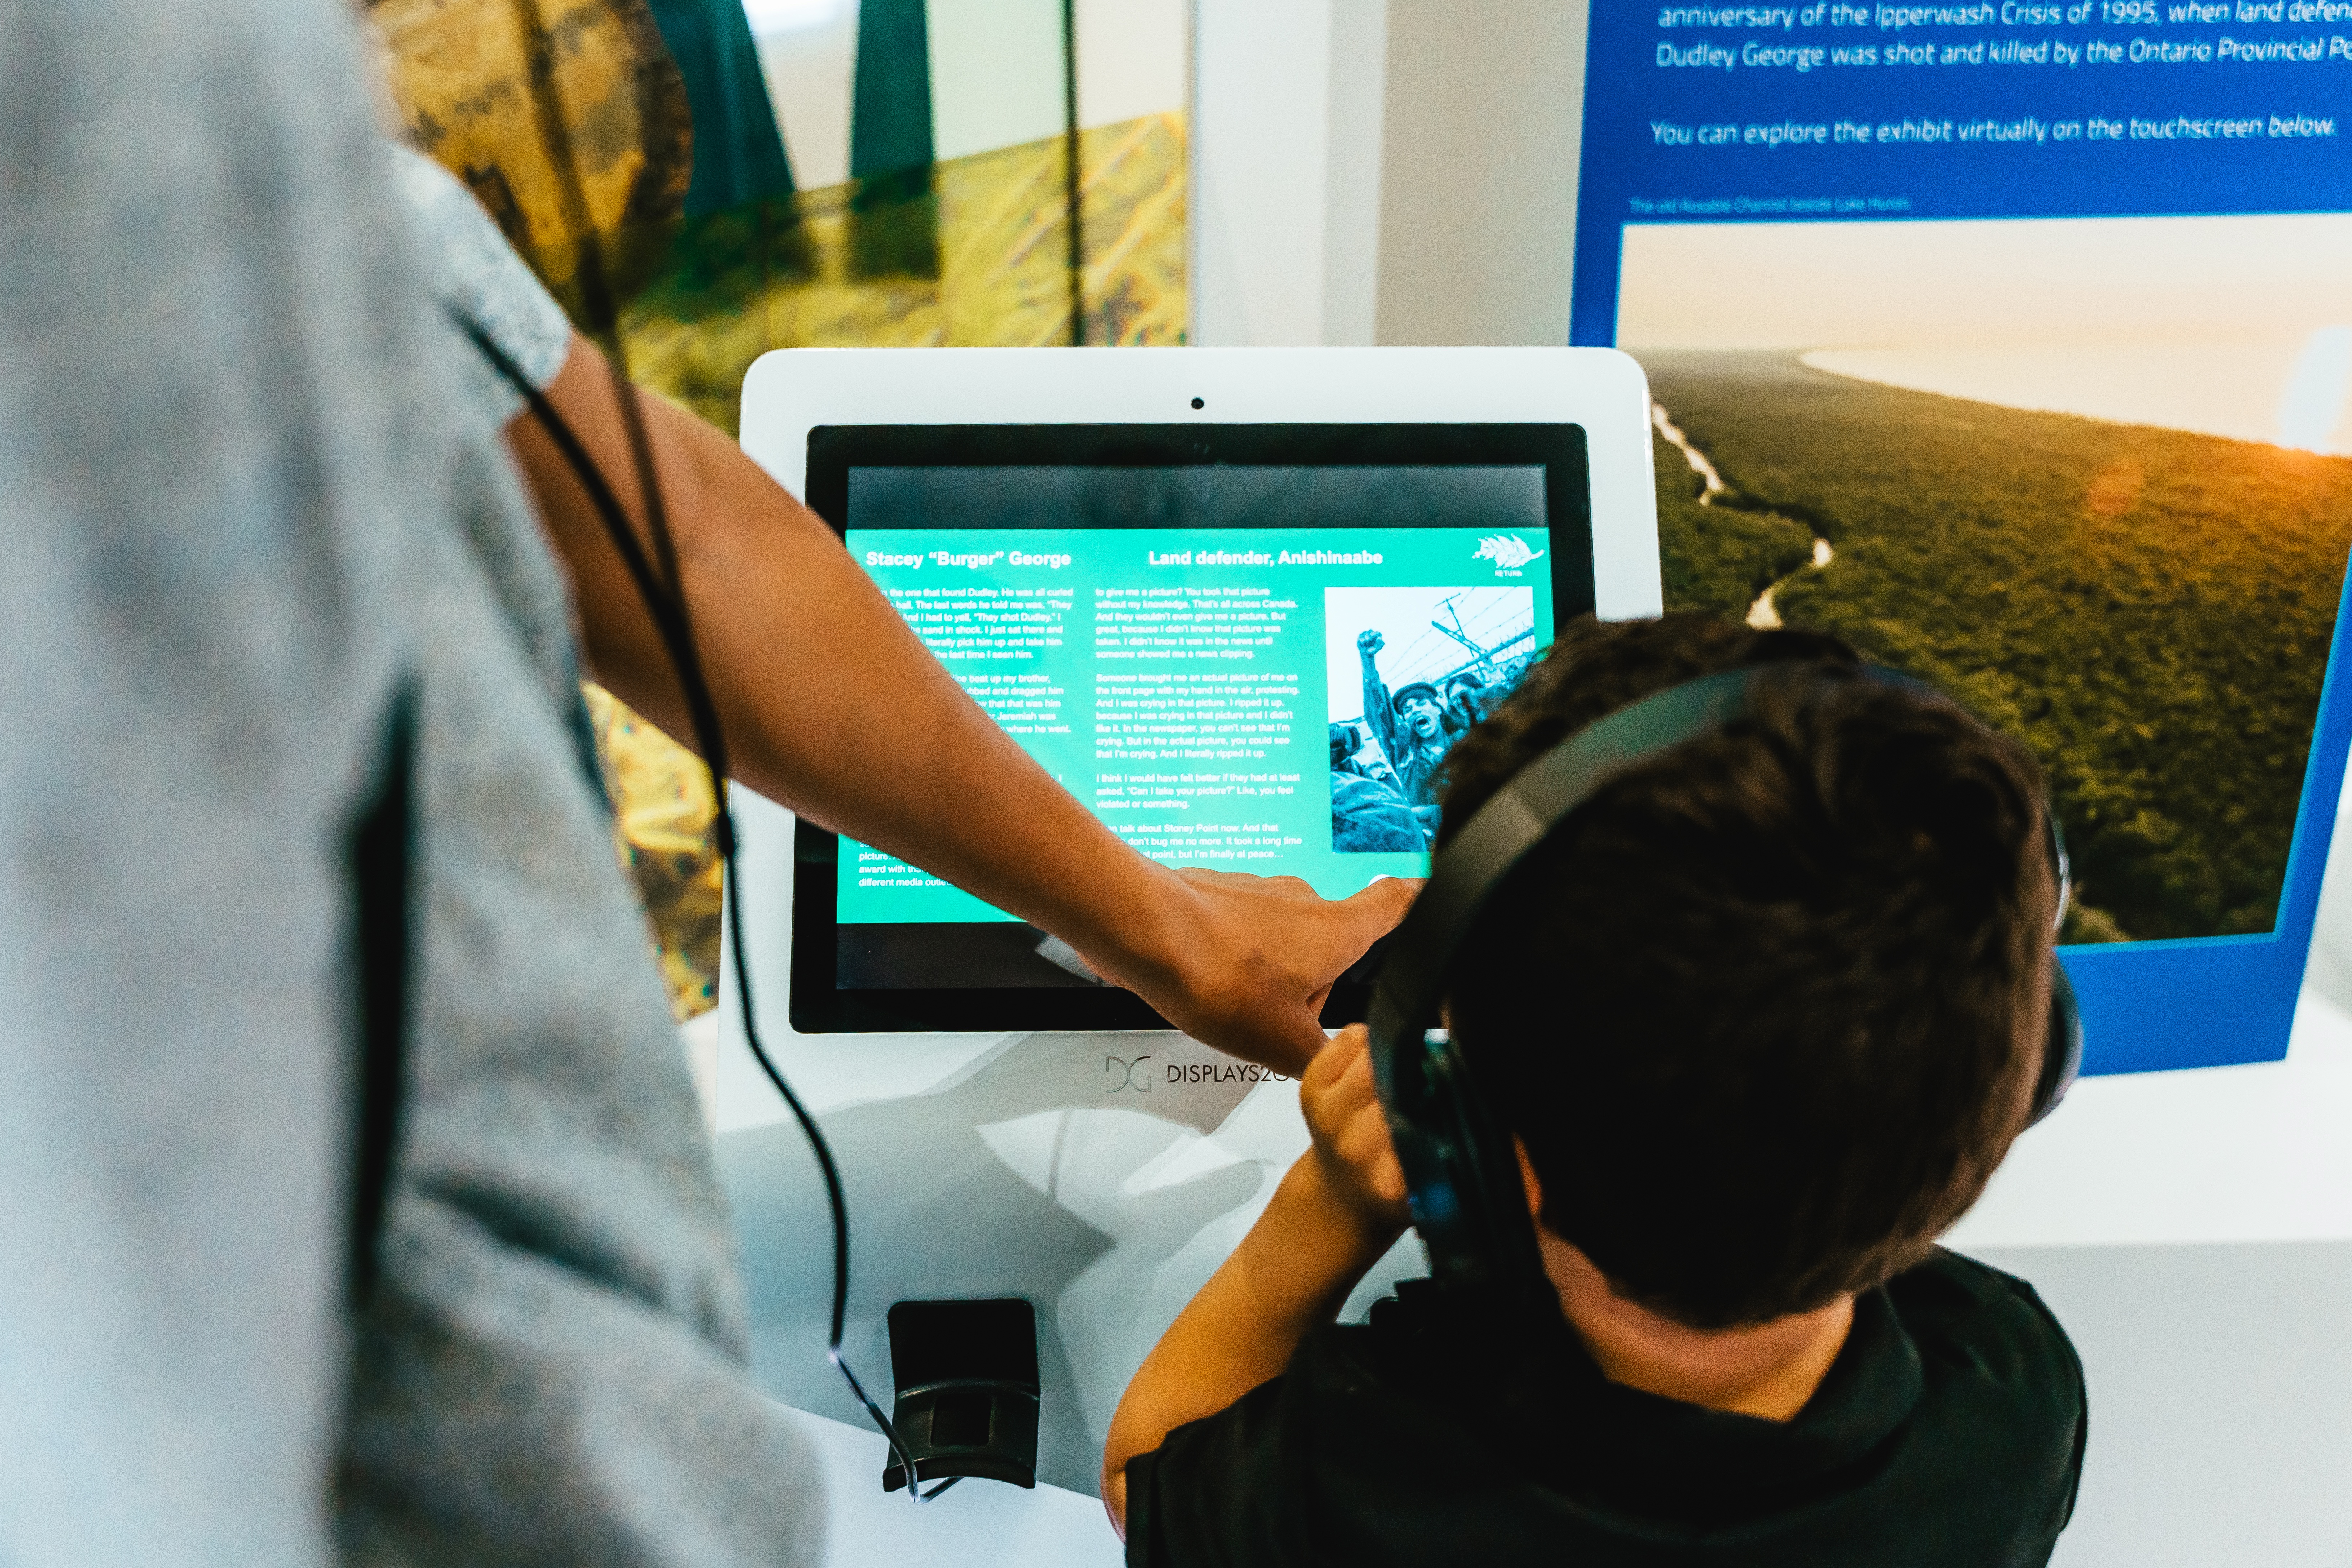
(1244, 962)
(1370, 642)
(1353, 1153)
(1239, 962)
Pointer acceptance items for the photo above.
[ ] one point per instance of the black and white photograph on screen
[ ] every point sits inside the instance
(1409, 670)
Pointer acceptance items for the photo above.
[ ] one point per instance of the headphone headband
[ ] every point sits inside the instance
(1461, 1172)
(1520, 815)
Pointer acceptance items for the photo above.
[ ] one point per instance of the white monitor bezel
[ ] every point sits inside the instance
(790, 392)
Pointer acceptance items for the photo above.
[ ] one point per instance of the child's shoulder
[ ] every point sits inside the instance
(1951, 1287)
(1951, 1304)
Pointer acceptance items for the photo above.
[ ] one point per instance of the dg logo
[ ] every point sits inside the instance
(1124, 1074)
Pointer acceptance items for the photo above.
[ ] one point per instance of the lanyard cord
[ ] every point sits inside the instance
(663, 595)
(668, 613)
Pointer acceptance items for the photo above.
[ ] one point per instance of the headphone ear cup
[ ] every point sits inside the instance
(1426, 1126)
(1405, 1097)
(2062, 1046)
(1464, 1183)
(1462, 1176)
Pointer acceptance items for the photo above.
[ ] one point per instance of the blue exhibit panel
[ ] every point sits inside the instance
(1977, 119)
(2150, 1007)
(1998, 109)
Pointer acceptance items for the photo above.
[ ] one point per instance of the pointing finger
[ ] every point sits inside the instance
(1382, 904)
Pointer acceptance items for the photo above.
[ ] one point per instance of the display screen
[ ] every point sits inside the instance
(1249, 665)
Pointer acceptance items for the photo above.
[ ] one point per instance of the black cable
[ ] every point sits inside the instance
(671, 624)
(585, 469)
(664, 599)
(1072, 208)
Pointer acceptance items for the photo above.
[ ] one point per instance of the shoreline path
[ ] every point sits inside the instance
(1762, 614)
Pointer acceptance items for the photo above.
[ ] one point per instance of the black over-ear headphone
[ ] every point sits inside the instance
(1461, 1172)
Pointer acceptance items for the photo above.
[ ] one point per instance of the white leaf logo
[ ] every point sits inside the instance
(1507, 551)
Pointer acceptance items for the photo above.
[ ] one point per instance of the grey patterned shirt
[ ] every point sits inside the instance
(246, 494)
(469, 264)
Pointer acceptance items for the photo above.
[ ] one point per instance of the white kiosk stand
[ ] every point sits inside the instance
(1102, 1173)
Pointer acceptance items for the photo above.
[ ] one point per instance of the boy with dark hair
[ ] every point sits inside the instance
(1761, 1018)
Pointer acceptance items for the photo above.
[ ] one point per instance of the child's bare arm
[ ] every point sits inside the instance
(1336, 1212)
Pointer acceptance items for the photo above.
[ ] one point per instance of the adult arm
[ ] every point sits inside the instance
(833, 706)
(1337, 1211)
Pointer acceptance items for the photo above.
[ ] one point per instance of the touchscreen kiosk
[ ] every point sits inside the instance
(1244, 641)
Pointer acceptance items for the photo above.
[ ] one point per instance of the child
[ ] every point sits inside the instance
(1762, 1017)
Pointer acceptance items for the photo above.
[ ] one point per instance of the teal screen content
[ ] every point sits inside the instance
(1251, 669)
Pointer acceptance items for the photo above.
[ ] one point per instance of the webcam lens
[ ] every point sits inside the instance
(1198, 403)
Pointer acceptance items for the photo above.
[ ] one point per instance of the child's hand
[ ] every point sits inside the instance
(1352, 1155)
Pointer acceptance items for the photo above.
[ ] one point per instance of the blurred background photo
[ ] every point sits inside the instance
(791, 173)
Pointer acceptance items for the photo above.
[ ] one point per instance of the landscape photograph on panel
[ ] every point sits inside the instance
(2092, 475)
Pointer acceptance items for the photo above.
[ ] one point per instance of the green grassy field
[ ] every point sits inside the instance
(2149, 610)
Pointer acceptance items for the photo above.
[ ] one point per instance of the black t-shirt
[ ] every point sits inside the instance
(1948, 1431)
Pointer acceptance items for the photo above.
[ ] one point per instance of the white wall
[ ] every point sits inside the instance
(1134, 58)
(1385, 171)
(996, 71)
(2220, 1391)
(808, 49)
(1485, 121)
(1287, 102)
(996, 67)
